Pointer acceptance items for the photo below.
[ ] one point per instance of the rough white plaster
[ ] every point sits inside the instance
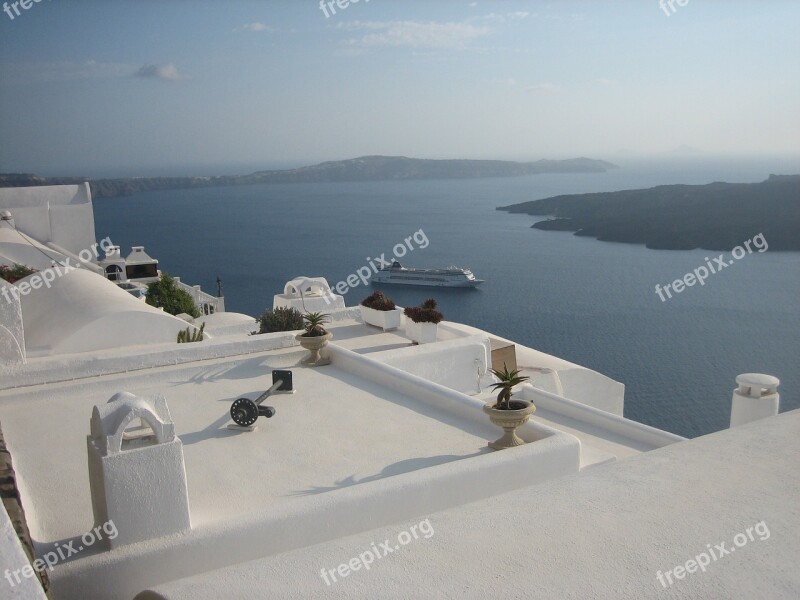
(13, 557)
(12, 335)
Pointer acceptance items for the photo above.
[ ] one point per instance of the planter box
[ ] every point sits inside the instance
(422, 333)
(386, 319)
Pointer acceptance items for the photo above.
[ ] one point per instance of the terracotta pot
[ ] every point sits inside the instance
(509, 420)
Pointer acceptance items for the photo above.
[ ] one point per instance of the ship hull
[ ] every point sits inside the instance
(447, 284)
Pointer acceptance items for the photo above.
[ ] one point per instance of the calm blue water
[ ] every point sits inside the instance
(589, 302)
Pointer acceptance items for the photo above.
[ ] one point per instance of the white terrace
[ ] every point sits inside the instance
(387, 431)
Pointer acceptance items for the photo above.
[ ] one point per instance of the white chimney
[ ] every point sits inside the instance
(756, 398)
(112, 252)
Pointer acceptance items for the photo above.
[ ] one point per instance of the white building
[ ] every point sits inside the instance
(84, 296)
(328, 498)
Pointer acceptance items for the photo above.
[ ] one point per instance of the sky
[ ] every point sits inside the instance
(144, 87)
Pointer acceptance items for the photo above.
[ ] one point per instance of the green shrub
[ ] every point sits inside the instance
(281, 319)
(191, 335)
(166, 294)
(15, 273)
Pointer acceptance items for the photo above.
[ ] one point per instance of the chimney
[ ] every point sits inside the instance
(756, 398)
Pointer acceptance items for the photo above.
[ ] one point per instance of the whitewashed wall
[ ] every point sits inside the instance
(61, 214)
(12, 338)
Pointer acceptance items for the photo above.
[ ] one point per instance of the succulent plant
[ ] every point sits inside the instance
(314, 322)
(508, 380)
(378, 301)
(426, 313)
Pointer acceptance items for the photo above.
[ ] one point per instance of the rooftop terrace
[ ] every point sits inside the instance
(363, 441)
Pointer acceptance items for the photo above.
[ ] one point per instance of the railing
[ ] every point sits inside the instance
(206, 303)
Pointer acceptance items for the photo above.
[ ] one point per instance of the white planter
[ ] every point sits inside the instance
(385, 319)
(422, 333)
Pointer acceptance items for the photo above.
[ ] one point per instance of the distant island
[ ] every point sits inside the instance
(365, 168)
(717, 216)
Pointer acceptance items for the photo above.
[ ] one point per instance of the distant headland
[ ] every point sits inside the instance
(717, 216)
(365, 168)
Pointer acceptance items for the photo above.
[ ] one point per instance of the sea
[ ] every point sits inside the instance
(590, 302)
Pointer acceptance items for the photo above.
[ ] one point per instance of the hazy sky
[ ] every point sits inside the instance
(97, 86)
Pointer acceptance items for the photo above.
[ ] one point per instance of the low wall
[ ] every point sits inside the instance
(458, 364)
(578, 383)
(72, 367)
(14, 557)
(588, 414)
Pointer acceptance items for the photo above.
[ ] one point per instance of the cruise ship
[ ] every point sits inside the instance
(450, 277)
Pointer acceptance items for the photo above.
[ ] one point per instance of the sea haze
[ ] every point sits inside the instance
(589, 302)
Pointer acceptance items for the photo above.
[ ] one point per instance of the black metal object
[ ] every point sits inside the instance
(245, 412)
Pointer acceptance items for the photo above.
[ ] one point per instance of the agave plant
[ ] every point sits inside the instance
(508, 380)
(314, 324)
(191, 335)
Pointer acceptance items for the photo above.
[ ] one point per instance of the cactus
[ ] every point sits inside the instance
(188, 336)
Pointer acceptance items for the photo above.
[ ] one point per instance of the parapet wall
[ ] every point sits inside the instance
(594, 416)
(459, 364)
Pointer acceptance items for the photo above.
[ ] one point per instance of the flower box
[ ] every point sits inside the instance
(385, 319)
(422, 333)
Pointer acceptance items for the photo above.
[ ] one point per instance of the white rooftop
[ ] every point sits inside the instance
(604, 533)
(359, 424)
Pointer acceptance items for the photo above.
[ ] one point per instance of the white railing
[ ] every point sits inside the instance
(206, 303)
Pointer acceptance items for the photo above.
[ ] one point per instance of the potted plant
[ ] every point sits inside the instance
(379, 310)
(315, 338)
(422, 322)
(507, 413)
